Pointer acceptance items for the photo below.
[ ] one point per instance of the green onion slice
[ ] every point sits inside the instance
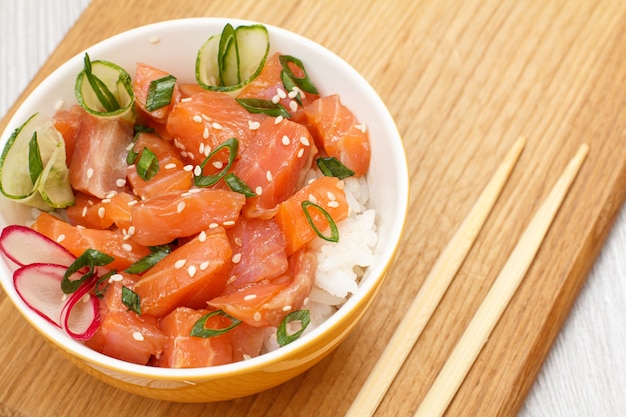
(304, 83)
(303, 316)
(105, 89)
(238, 185)
(207, 180)
(332, 167)
(104, 278)
(160, 92)
(199, 329)
(89, 259)
(131, 299)
(148, 261)
(257, 105)
(334, 232)
(147, 164)
(35, 164)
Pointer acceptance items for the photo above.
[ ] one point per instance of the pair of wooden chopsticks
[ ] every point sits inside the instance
(438, 280)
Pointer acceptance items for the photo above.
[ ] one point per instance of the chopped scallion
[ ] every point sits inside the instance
(89, 259)
(334, 232)
(105, 96)
(104, 278)
(282, 337)
(332, 167)
(232, 145)
(147, 164)
(35, 164)
(237, 185)
(304, 83)
(257, 105)
(160, 92)
(148, 261)
(131, 299)
(199, 329)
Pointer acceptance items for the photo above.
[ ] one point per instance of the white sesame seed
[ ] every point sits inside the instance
(191, 270)
(185, 100)
(269, 176)
(213, 225)
(293, 93)
(180, 263)
(236, 258)
(101, 212)
(202, 236)
(207, 150)
(130, 146)
(281, 93)
(238, 242)
(361, 127)
(132, 202)
(120, 182)
(286, 308)
(252, 125)
(188, 168)
(331, 195)
(85, 298)
(205, 133)
(305, 141)
(60, 238)
(300, 152)
(278, 120)
(276, 99)
(155, 39)
(249, 297)
(285, 140)
(131, 230)
(216, 125)
(89, 173)
(204, 265)
(80, 226)
(127, 247)
(333, 204)
(197, 171)
(190, 156)
(195, 190)
(115, 278)
(84, 211)
(171, 165)
(258, 190)
(138, 336)
(205, 117)
(293, 106)
(59, 105)
(180, 207)
(312, 199)
(306, 301)
(257, 316)
(246, 357)
(197, 118)
(201, 147)
(218, 164)
(229, 223)
(105, 200)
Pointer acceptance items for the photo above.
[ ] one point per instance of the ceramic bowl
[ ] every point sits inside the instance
(172, 46)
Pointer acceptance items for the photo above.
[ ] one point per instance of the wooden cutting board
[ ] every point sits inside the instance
(463, 80)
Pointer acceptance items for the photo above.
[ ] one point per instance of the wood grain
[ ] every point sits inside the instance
(463, 79)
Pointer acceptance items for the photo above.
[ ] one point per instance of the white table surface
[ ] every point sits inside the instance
(585, 372)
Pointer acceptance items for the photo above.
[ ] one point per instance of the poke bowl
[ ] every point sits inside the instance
(338, 271)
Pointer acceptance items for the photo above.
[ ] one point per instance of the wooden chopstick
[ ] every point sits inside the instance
(488, 314)
(431, 292)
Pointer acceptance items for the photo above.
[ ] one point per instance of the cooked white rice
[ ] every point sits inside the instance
(340, 265)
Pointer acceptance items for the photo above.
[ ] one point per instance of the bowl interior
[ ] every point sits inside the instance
(172, 46)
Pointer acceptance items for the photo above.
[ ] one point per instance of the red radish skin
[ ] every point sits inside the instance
(24, 246)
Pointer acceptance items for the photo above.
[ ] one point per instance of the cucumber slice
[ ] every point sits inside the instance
(100, 80)
(51, 189)
(229, 61)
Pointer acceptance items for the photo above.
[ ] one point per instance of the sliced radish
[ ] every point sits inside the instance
(23, 246)
(80, 317)
(39, 286)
